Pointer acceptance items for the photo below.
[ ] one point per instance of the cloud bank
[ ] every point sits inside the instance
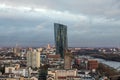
(91, 23)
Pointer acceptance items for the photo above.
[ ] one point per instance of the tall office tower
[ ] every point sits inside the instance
(16, 50)
(33, 58)
(61, 44)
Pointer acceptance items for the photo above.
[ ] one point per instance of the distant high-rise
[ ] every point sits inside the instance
(16, 50)
(61, 42)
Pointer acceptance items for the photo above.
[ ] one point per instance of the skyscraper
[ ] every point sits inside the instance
(61, 44)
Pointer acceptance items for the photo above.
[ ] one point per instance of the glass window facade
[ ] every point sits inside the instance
(61, 43)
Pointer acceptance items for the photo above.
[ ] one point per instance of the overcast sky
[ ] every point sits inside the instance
(91, 23)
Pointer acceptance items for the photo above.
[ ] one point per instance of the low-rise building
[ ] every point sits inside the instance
(61, 74)
(19, 78)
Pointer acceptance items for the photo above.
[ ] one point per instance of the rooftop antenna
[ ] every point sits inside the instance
(16, 45)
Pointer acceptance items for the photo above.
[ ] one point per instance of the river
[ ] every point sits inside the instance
(114, 64)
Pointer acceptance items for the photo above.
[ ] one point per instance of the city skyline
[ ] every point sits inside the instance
(91, 23)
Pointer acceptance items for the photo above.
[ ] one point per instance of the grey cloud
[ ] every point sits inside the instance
(107, 8)
(97, 26)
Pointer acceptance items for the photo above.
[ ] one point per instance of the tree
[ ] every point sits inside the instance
(2, 69)
(43, 72)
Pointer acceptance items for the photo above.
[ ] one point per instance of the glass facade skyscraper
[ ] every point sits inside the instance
(61, 42)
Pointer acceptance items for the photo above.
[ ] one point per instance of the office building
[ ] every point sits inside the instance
(92, 64)
(67, 59)
(61, 43)
(33, 58)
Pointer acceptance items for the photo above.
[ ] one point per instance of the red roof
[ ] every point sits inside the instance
(61, 77)
(53, 56)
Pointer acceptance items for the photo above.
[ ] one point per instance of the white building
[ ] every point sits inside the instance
(56, 74)
(22, 72)
(9, 69)
(33, 58)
